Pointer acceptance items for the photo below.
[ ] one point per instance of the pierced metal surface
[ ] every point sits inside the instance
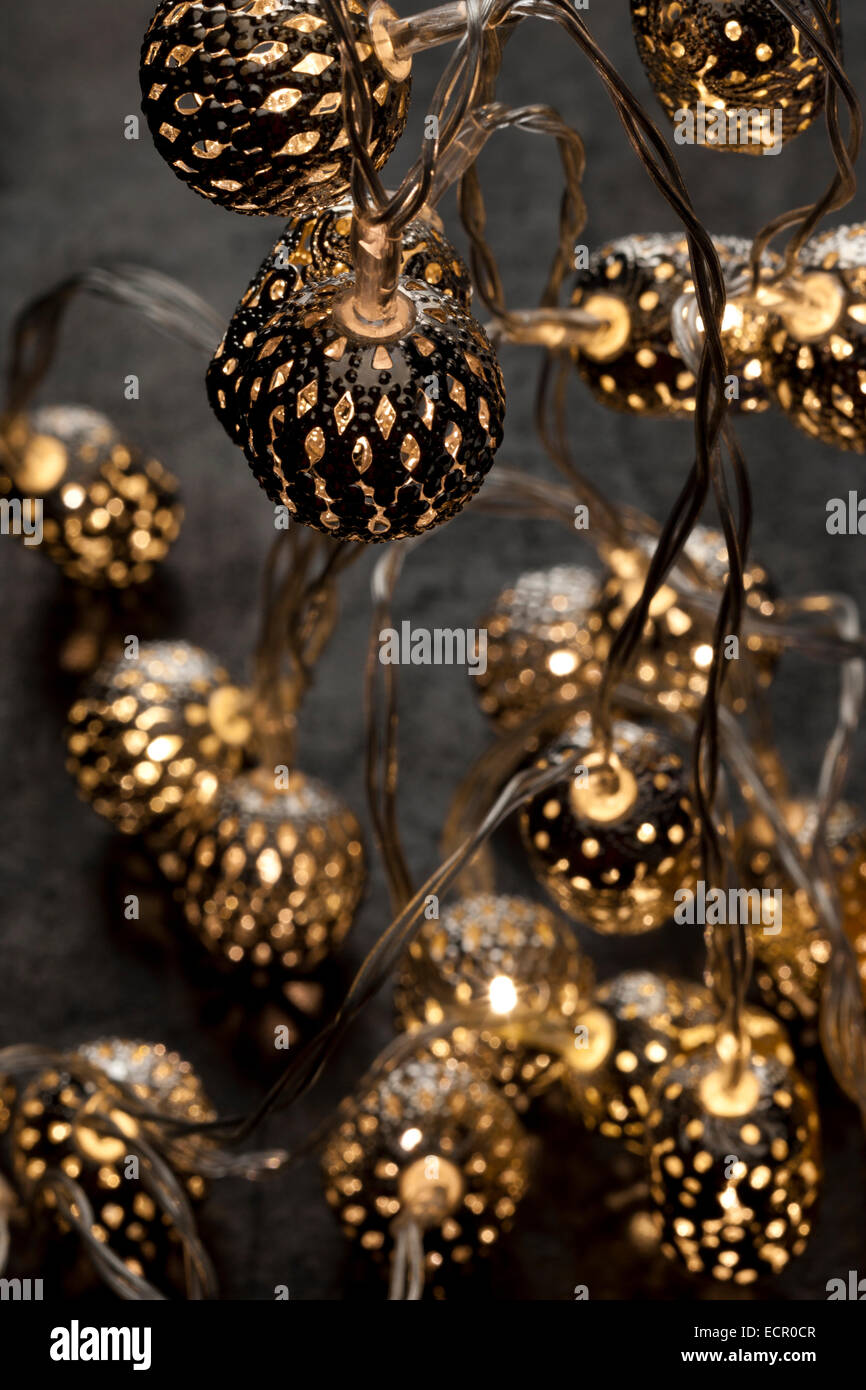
(734, 1192)
(821, 385)
(274, 877)
(732, 54)
(151, 736)
(426, 1108)
(110, 513)
(618, 876)
(646, 274)
(366, 441)
(536, 964)
(244, 101)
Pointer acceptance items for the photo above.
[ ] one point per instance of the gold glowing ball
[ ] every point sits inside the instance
(634, 365)
(273, 876)
(615, 839)
(674, 656)
(792, 950)
(506, 956)
(427, 1139)
(733, 56)
(735, 1169)
(366, 441)
(542, 636)
(149, 740)
(56, 1134)
(109, 514)
(819, 362)
(245, 101)
(621, 1037)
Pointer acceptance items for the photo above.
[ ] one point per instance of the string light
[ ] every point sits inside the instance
(612, 843)
(244, 100)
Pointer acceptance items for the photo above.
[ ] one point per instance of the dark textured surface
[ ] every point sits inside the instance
(73, 190)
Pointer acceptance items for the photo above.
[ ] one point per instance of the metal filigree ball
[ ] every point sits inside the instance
(367, 441)
(274, 876)
(542, 636)
(427, 1139)
(634, 365)
(150, 738)
(57, 1137)
(244, 100)
(735, 1173)
(819, 378)
(675, 653)
(733, 55)
(506, 957)
(612, 843)
(792, 947)
(109, 513)
(312, 249)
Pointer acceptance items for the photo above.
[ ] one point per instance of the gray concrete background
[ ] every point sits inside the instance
(73, 190)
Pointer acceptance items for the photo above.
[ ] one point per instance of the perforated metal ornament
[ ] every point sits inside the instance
(109, 513)
(363, 440)
(733, 56)
(617, 874)
(312, 249)
(427, 1124)
(792, 945)
(151, 736)
(274, 876)
(507, 957)
(734, 1184)
(634, 365)
(542, 643)
(244, 101)
(56, 1135)
(820, 381)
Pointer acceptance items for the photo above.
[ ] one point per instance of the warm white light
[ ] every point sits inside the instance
(562, 663)
(410, 1139)
(503, 995)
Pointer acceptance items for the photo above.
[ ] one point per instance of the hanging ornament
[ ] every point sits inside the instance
(273, 877)
(633, 364)
(819, 364)
(792, 945)
(369, 438)
(617, 837)
(109, 514)
(245, 101)
(542, 643)
(149, 740)
(734, 1163)
(509, 959)
(744, 76)
(312, 249)
(427, 1144)
(73, 1139)
(675, 654)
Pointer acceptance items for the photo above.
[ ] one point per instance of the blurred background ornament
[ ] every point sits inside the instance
(245, 101)
(273, 876)
(369, 440)
(506, 958)
(735, 1164)
(152, 735)
(819, 352)
(109, 514)
(543, 634)
(101, 1165)
(426, 1144)
(618, 836)
(733, 57)
(792, 950)
(634, 364)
